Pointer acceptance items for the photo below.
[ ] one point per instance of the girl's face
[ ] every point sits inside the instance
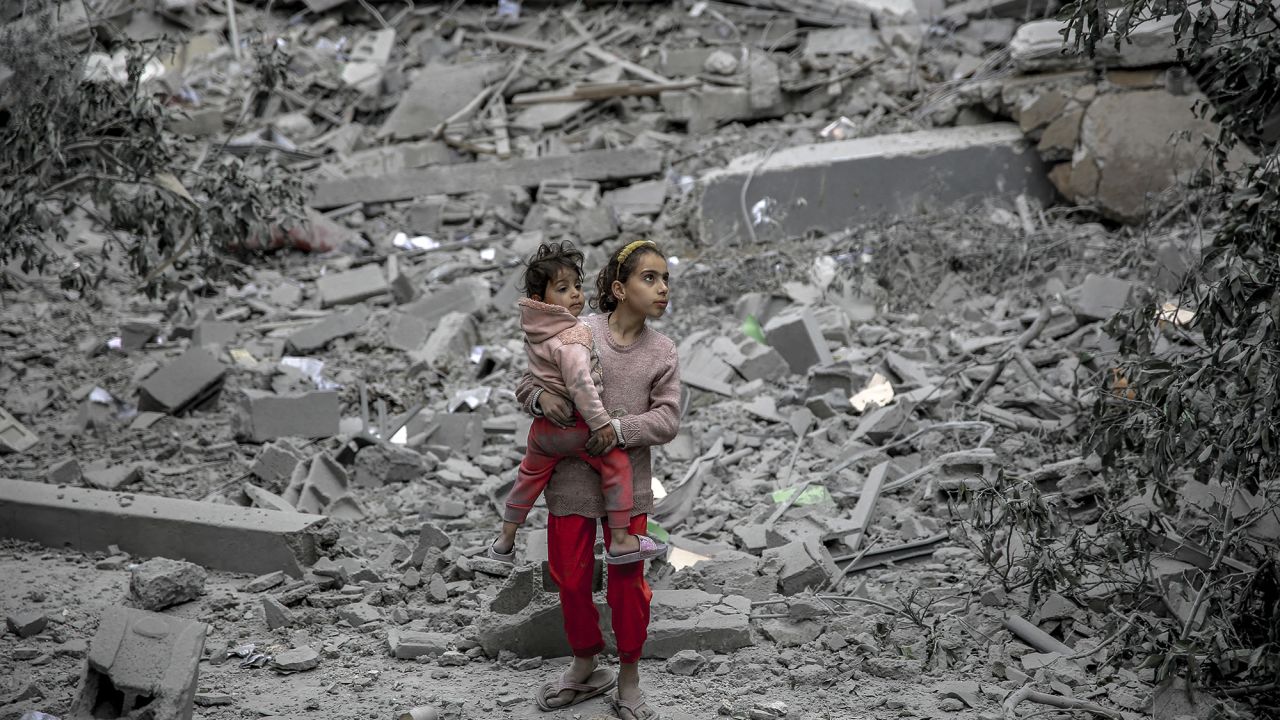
(646, 291)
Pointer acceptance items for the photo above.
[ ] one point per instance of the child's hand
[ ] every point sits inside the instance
(602, 440)
(556, 409)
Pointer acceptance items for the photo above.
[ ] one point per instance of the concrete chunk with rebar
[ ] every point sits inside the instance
(222, 537)
(828, 187)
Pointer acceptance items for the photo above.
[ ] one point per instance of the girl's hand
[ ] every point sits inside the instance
(602, 440)
(556, 409)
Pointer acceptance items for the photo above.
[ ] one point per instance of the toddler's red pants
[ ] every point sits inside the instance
(571, 543)
(549, 444)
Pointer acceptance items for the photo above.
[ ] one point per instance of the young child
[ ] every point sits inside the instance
(563, 360)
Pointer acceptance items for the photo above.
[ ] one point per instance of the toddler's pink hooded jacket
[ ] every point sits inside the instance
(560, 352)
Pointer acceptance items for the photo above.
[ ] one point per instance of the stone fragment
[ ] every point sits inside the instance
(113, 477)
(147, 664)
(791, 633)
(276, 463)
(276, 614)
(14, 436)
(317, 336)
(452, 658)
(160, 583)
(453, 337)
(893, 668)
(65, 472)
(26, 623)
(1102, 296)
(352, 286)
(795, 335)
(409, 644)
(357, 614)
(517, 592)
(686, 662)
(436, 92)
(804, 189)
(261, 416)
(296, 660)
(194, 378)
(381, 464)
(720, 629)
(799, 565)
(1040, 45)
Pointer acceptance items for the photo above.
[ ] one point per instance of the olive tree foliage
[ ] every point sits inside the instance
(1202, 401)
(106, 146)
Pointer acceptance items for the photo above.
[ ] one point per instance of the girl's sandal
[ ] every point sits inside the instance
(506, 557)
(649, 549)
(639, 709)
(604, 678)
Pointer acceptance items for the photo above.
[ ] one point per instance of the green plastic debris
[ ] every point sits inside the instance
(656, 532)
(751, 328)
(812, 495)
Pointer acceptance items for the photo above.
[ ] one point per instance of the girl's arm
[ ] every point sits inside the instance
(574, 361)
(659, 425)
(535, 401)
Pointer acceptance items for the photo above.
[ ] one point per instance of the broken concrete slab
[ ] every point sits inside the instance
(103, 476)
(1102, 296)
(412, 324)
(454, 336)
(194, 378)
(409, 644)
(221, 537)
(796, 336)
(274, 465)
(600, 165)
(352, 286)
(799, 565)
(339, 325)
(296, 660)
(26, 623)
(261, 415)
(436, 93)
(831, 186)
(368, 60)
(722, 629)
(141, 660)
(160, 583)
(1040, 45)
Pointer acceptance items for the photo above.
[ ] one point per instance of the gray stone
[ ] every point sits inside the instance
(276, 614)
(437, 92)
(357, 614)
(452, 338)
(378, 465)
(276, 463)
(799, 565)
(191, 380)
(791, 633)
(720, 629)
(409, 644)
(26, 623)
(160, 583)
(736, 572)
(144, 659)
(452, 658)
(519, 590)
(261, 416)
(352, 286)
(1101, 296)
(296, 660)
(830, 186)
(112, 477)
(686, 662)
(262, 583)
(1039, 45)
(796, 336)
(894, 668)
(535, 631)
(317, 336)
(66, 472)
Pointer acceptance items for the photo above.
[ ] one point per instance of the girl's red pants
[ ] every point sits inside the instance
(571, 552)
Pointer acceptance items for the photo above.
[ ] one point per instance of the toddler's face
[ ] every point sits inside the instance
(565, 290)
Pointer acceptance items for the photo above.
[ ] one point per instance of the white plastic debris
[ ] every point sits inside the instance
(877, 393)
(312, 369)
(417, 242)
(840, 129)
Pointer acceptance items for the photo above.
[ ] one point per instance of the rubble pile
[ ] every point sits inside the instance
(337, 427)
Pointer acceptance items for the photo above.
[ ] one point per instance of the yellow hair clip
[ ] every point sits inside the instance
(631, 247)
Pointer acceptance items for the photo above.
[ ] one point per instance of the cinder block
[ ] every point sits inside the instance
(799, 565)
(187, 382)
(141, 665)
(274, 465)
(796, 336)
(352, 286)
(262, 416)
(315, 337)
(222, 537)
(830, 186)
(14, 436)
(761, 362)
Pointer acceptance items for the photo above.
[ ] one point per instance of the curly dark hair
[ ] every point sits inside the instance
(620, 271)
(546, 263)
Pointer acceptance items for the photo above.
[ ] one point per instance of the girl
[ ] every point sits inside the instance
(641, 388)
(563, 361)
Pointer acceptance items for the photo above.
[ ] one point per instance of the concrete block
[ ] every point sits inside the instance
(26, 623)
(408, 644)
(317, 485)
(520, 589)
(275, 464)
(378, 465)
(187, 382)
(535, 631)
(221, 537)
(14, 436)
(880, 424)
(296, 660)
(799, 565)
(352, 286)
(795, 335)
(261, 416)
(453, 337)
(215, 333)
(1038, 46)
(140, 665)
(830, 186)
(721, 629)
(111, 477)
(412, 324)
(734, 572)
(315, 337)
(1101, 296)
(160, 583)
(761, 362)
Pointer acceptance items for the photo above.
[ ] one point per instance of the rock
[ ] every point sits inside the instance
(160, 583)
(296, 660)
(453, 658)
(409, 644)
(1130, 150)
(437, 589)
(357, 614)
(789, 633)
(721, 63)
(686, 662)
(519, 590)
(276, 614)
(262, 583)
(26, 623)
(378, 465)
(893, 668)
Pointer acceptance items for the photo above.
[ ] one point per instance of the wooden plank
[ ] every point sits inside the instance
(486, 176)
